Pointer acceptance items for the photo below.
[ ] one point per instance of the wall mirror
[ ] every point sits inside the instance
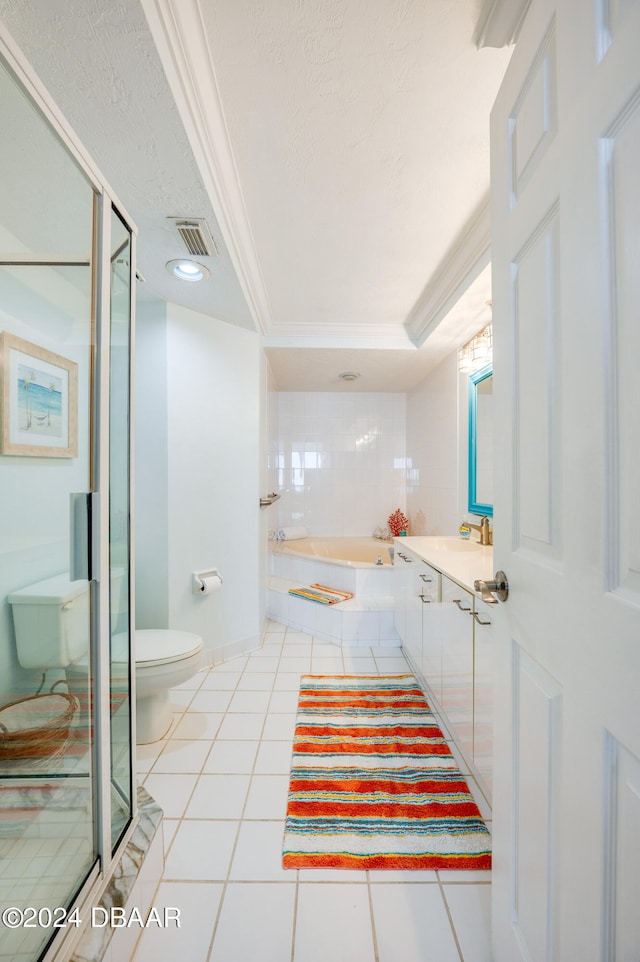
(481, 441)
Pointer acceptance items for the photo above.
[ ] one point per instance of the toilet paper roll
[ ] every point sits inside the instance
(210, 584)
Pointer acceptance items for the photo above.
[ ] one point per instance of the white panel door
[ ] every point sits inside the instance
(566, 296)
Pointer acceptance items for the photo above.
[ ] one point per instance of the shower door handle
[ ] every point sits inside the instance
(83, 561)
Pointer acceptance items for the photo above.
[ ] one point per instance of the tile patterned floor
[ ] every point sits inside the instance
(222, 776)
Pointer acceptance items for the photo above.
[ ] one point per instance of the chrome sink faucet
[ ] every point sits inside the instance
(486, 534)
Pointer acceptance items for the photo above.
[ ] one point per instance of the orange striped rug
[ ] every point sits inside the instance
(373, 783)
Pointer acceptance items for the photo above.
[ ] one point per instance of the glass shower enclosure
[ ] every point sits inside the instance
(66, 293)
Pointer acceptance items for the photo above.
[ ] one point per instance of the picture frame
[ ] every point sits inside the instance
(38, 401)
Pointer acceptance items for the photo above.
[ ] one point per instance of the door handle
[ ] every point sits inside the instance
(493, 591)
(83, 545)
(457, 601)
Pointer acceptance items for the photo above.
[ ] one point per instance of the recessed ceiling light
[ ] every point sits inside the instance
(188, 270)
(349, 376)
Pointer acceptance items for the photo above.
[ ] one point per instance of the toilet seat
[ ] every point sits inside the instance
(162, 646)
(155, 646)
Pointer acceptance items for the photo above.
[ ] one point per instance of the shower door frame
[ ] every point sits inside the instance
(105, 200)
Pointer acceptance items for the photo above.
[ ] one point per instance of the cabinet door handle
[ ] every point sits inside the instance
(425, 601)
(478, 619)
(426, 578)
(456, 601)
(407, 560)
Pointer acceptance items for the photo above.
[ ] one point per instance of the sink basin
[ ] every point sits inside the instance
(454, 544)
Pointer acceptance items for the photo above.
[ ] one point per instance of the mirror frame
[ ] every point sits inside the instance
(474, 506)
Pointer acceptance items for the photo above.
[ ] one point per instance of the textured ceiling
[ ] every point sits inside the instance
(337, 149)
(360, 132)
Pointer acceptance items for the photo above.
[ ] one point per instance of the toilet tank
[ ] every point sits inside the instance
(51, 620)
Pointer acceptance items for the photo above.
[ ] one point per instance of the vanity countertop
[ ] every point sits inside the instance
(462, 561)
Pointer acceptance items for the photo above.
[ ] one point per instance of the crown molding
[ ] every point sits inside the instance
(390, 337)
(463, 263)
(499, 22)
(180, 37)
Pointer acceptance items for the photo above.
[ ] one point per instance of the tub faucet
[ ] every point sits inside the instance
(486, 534)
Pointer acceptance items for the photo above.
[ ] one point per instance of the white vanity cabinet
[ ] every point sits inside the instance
(446, 631)
(467, 674)
(416, 613)
(483, 672)
(457, 662)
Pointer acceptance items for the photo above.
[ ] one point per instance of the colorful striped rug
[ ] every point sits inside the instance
(373, 783)
(321, 594)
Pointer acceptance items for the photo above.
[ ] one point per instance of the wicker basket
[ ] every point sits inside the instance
(36, 727)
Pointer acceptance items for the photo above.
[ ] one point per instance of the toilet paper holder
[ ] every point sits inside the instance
(199, 579)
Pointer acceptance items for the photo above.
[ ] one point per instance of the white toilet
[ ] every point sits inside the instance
(51, 619)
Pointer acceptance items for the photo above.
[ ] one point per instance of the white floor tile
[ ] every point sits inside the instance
(232, 757)
(258, 854)
(256, 923)
(287, 681)
(339, 876)
(249, 701)
(221, 681)
(246, 727)
(392, 666)
(210, 701)
(219, 796)
(201, 851)
(181, 755)
(198, 725)
(359, 666)
(412, 924)
(256, 681)
(274, 758)
(334, 922)
(297, 650)
(198, 904)
(263, 662)
(169, 829)
(327, 666)
(283, 702)
(322, 650)
(279, 727)
(171, 792)
(295, 664)
(294, 637)
(147, 754)
(267, 797)
(470, 907)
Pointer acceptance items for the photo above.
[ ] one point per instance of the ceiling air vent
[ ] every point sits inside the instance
(195, 235)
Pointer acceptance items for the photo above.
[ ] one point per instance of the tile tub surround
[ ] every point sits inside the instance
(338, 459)
(222, 778)
(366, 619)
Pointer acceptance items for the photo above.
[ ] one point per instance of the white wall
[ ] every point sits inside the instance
(34, 492)
(151, 467)
(340, 460)
(213, 393)
(434, 478)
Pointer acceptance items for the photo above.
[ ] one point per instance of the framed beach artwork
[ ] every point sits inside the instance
(39, 399)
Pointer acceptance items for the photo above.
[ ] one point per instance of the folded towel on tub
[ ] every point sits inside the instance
(291, 534)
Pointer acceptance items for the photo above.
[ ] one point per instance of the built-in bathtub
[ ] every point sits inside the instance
(360, 565)
(352, 552)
